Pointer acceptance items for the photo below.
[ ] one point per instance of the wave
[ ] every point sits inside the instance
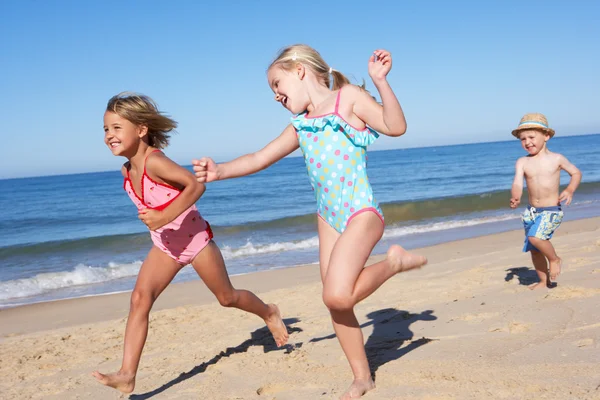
(402, 212)
(251, 249)
(80, 275)
(86, 275)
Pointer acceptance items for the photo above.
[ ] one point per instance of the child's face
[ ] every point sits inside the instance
(533, 141)
(288, 88)
(120, 135)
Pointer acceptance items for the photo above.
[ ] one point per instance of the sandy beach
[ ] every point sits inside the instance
(464, 327)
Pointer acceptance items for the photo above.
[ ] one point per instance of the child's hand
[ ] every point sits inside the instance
(153, 219)
(206, 170)
(380, 65)
(514, 202)
(565, 197)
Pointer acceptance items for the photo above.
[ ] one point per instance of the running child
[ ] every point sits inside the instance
(333, 123)
(165, 195)
(543, 215)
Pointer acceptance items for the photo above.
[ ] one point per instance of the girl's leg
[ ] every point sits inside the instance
(345, 324)
(349, 282)
(210, 267)
(157, 271)
(346, 282)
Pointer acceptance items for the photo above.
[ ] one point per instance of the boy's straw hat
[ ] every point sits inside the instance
(535, 121)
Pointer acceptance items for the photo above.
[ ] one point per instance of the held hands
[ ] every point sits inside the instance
(380, 65)
(206, 170)
(514, 202)
(565, 197)
(153, 219)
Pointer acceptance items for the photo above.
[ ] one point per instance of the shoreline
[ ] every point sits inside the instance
(22, 319)
(476, 227)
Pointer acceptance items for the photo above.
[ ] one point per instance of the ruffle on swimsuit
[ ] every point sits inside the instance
(336, 161)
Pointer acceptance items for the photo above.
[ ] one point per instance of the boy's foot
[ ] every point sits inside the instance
(537, 285)
(401, 260)
(124, 383)
(555, 269)
(276, 325)
(358, 388)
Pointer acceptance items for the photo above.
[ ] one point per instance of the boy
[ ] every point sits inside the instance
(541, 169)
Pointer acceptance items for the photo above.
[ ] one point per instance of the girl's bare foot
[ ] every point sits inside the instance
(276, 325)
(358, 388)
(401, 260)
(124, 383)
(555, 268)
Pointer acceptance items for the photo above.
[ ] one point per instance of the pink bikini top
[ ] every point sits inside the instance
(155, 195)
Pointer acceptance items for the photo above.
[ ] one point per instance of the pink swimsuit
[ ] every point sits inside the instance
(184, 237)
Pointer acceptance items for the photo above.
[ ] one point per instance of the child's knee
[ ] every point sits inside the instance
(228, 298)
(141, 300)
(337, 301)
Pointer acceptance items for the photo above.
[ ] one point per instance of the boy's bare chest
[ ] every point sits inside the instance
(541, 168)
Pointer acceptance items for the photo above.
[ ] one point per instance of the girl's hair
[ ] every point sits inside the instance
(301, 53)
(142, 110)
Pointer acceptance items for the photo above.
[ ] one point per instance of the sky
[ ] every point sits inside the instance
(464, 71)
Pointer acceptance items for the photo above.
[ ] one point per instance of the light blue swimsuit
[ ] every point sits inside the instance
(336, 159)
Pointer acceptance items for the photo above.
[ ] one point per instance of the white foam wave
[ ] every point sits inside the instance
(80, 275)
(249, 249)
(445, 225)
(84, 275)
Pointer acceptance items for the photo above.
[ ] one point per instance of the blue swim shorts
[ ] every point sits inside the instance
(541, 223)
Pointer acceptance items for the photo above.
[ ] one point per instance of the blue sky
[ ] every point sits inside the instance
(464, 71)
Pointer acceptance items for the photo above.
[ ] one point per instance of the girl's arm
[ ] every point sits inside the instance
(389, 118)
(160, 168)
(207, 170)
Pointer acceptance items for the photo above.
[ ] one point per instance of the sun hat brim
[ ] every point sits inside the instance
(549, 131)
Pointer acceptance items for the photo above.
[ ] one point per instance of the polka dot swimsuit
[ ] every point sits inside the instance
(336, 160)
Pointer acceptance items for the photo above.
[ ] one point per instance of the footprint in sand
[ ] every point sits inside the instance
(584, 342)
(572, 292)
(477, 317)
(513, 327)
(517, 327)
(269, 389)
(579, 261)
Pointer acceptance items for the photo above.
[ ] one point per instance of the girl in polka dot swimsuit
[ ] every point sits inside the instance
(165, 195)
(336, 158)
(333, 124)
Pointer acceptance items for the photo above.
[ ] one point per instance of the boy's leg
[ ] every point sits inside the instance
(157, 271)
(546, 248)
(210, 266)
(541, 267)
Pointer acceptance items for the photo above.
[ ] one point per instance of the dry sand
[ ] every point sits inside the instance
(464, 327)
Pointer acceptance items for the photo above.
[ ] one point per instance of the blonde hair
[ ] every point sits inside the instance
(304, 54)
(142, 110)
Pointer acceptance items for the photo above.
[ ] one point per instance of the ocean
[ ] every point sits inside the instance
(78, 235)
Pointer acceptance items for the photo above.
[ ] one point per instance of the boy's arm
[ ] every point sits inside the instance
(160, 166)
(517, 187)
(387, 117)
(206, 170)
(567, 195)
